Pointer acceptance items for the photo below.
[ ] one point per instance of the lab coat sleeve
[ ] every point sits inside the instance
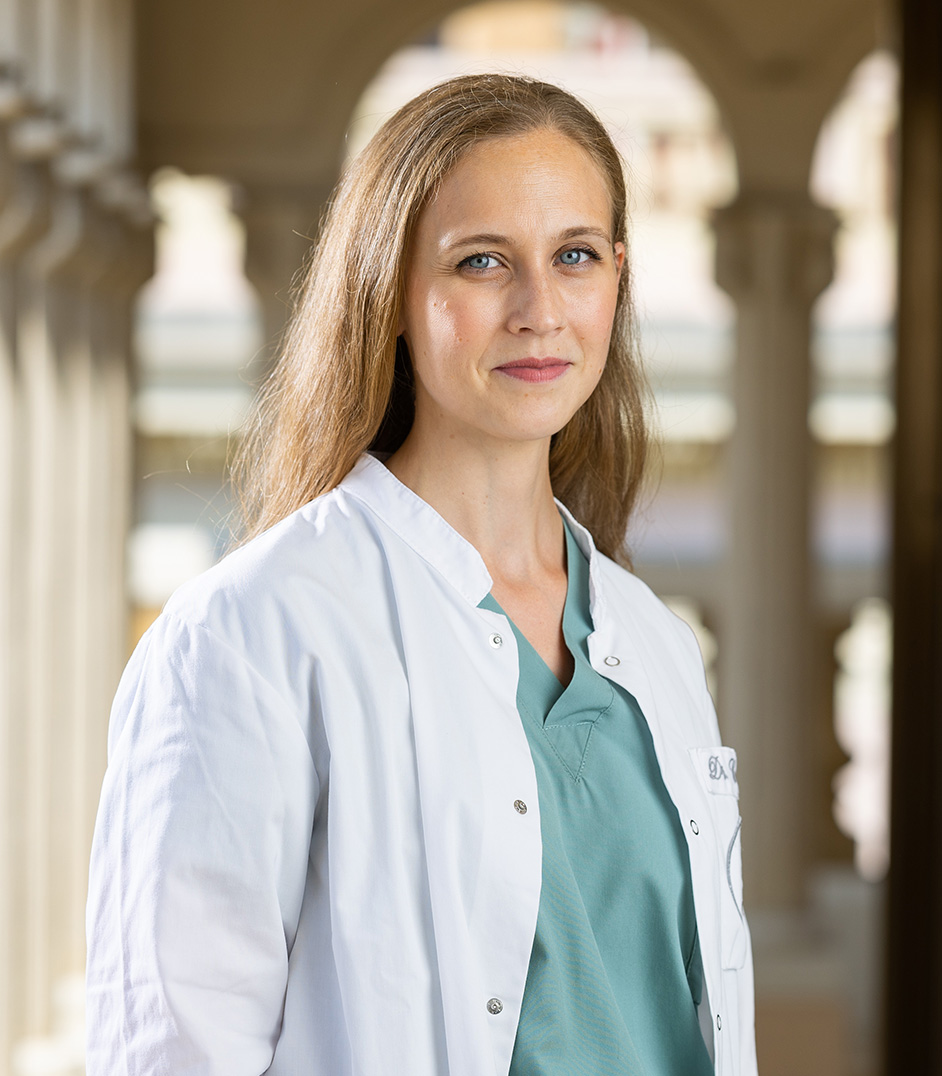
(198, 863)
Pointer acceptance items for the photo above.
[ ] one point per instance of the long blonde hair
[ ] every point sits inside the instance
(343, 382)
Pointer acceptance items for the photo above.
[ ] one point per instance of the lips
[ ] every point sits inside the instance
(535, 370)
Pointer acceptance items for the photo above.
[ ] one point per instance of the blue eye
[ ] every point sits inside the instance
(480, 261)
(577, 256)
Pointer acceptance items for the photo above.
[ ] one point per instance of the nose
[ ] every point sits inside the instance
(537, 305)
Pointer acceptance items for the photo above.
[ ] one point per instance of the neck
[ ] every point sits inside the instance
(497, 496)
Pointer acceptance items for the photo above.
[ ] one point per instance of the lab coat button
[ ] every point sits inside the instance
(719, 1022)
(496, 641)
(612, 660)
(520, 807)
(694, 826)
(495, 1006)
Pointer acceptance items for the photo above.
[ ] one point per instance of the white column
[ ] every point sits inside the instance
(74, 248)
(74, 320)
(23, 217)
(50, 582)
(774, 258)
(9, 603)
(80, 263)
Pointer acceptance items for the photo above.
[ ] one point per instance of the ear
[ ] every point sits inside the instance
(619, 252)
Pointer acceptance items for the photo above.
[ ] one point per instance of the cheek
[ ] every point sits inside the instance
(458, 332)
(436, 340)
(447, 324)
(596, 315)
(438, 323)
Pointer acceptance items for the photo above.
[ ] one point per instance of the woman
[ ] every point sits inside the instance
(420, 780)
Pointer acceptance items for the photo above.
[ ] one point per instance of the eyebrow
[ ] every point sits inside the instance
(483, 239)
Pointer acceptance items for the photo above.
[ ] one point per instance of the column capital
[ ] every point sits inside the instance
(774, 245)
(54, 253)
(75, 233)
(25, 208)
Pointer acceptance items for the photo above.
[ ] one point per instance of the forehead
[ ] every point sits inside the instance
(540, 172)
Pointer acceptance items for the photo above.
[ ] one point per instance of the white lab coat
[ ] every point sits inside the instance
(307, 859)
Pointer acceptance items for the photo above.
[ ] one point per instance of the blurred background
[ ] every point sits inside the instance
(163, 164)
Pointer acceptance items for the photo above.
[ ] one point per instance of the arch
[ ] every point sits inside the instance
(753, 84)
(615, 86)
(269, 103)
(388, 35)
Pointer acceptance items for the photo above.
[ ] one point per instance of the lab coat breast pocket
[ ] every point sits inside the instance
(716, 767)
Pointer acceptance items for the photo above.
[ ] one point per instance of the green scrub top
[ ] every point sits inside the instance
(615, 972)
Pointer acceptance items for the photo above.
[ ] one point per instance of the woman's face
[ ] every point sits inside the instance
(510, 291)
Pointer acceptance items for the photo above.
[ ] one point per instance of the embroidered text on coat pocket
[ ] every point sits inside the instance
(717, 770)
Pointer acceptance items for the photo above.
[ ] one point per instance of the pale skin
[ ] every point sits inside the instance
(512, 263)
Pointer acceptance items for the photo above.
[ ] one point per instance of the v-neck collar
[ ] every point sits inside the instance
(549, 696)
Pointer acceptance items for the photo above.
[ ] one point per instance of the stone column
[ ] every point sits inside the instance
(74, 248)
(73, 342)
(77, 284)
(24, 216)
(94, 272)
(50, 581)
(774, 257)
(9, 415)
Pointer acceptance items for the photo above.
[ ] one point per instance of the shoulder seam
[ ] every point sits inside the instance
(243, 659)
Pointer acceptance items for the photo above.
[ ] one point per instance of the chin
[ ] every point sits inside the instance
(535, 431)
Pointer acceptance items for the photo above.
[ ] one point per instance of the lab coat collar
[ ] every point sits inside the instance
(435, 540)
(419, 526)
(586, 543)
